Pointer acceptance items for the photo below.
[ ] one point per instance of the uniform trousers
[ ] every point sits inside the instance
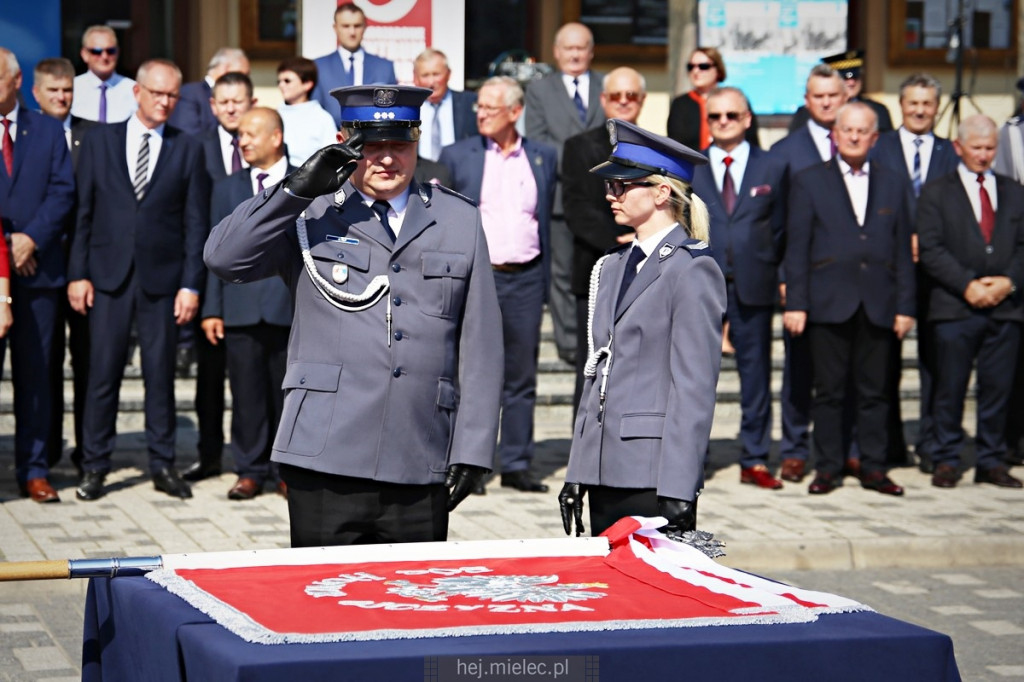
(608, 505)
(257, 356)
(795, 402)
(855, 353)
(562, 302)
(327, 510)
(110, 323)
(750, 330)
(958, 343)
(31, 339)
(211, 366)
(521, 300)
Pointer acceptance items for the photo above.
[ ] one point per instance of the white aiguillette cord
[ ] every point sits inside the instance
(594, 357)
(343, 300)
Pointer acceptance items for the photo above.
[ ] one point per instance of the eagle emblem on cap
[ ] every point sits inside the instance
(612, 137)
(385, 97)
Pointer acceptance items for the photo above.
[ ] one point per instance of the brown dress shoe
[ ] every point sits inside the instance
(999, 476)
(245, 489)
(40, 490)
(760, 476)
(823, 484)
(793, 470)
(282, 489)
(945, 476)
(881, 483)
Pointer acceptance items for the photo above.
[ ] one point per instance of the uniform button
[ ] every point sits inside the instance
(989, 249)
(396, 267)
(302, 380)
(863, 236)
(397, 300)
(341, 255)
(863, 266)
(397, 373)
(398, 335)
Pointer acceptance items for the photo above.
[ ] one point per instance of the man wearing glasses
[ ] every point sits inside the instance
(137, 254)
(742, 187)
(101, 94)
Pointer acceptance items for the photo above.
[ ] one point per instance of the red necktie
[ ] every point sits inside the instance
(728, 188)
(8, 148)
(988, 215)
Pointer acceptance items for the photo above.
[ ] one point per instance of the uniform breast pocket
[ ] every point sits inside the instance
(345, 266)
(310, 392)
(444, 282)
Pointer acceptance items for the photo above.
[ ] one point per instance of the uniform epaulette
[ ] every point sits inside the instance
(448, 190)
(696, 247)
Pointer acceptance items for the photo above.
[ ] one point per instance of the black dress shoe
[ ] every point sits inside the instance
(997, 476)
(91, 486)
(945, 476)
(879, 482)
(522, 481)
(168, 481)
(823, 484)
(1013, 458)
(199, 470)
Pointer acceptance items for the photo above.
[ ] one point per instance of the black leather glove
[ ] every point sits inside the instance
(327, 169)
(681, 515)
(570, 501)
(460, 481)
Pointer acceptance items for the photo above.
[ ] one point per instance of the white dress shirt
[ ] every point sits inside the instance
(227, 149)
(970, 181)
(856, 187)
(909, 149)
(13, 118)
(357, 65)
(396, 214)
(120, 97)
(651, 243)
(740, 155)
(822, 137)
(584, 87)
(446, 112)
(134, 141)
(275, 174)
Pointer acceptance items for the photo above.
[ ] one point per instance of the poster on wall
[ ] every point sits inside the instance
(769, 47)
(395, 29)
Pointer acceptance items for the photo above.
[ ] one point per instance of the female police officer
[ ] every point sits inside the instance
(656, 310)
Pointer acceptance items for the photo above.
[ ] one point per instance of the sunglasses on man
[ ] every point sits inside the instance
(109, 51)
(623, 97)
(731, 115)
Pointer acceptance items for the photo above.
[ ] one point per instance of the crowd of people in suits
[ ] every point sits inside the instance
(859, 231)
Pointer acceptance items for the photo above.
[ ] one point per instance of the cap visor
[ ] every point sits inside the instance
(390, 134)
(615, 171)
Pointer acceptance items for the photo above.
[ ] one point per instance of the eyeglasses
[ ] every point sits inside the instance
(109, 51)
(731, 115)
(617, 188)
(488, 109)
(624, 97)
(706, 66)
(156, 94)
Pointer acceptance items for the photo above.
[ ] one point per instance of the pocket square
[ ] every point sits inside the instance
(760, 190)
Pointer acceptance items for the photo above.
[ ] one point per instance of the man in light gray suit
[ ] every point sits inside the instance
(395, 356)
(558, 106)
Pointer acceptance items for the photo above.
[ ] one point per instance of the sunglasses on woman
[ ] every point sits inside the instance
(617, 188)
(706, 66)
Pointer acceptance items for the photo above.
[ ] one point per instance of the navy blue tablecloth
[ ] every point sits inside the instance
(135, 630)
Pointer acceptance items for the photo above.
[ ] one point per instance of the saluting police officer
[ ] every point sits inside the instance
(395, 356)
(657, 304)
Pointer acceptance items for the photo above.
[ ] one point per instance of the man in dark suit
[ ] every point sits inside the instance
(970, 224)
(447, 116)
(512, 179)
(192, 114)
(251, 321)
(52, 87)
(222, 156)
(36, 194)
(350, 64)
(849, 65)
(558, 106)
(850, 286)
(807, 146)
(143, 211)
(915, 148)
(584, 197)
(742, 187)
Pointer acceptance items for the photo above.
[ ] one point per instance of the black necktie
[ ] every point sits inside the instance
(381, 208)
(636, 255)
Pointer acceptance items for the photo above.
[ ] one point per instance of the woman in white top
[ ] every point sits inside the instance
(307, 127)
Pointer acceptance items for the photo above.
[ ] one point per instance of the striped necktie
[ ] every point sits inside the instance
(578, 101)
(915, 176)
(142, 168)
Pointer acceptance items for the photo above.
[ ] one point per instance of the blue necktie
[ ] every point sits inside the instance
(578, 101)
(636, 255)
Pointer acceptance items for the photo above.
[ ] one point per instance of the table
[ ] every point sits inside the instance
(135, 630)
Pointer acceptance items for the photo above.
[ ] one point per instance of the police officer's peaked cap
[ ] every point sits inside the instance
(847, 64)
(637, 153)
(382, 112)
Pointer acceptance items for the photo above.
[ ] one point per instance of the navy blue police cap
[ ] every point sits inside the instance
(637, 153)
(847, 64)
(382, 112)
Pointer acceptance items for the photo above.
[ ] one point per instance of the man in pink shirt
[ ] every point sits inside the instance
(512, 179)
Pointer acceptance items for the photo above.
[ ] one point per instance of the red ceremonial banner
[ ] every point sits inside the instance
(636, 585)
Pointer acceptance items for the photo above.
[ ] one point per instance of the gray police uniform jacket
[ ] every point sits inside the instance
(666, 349)
(394, 402)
